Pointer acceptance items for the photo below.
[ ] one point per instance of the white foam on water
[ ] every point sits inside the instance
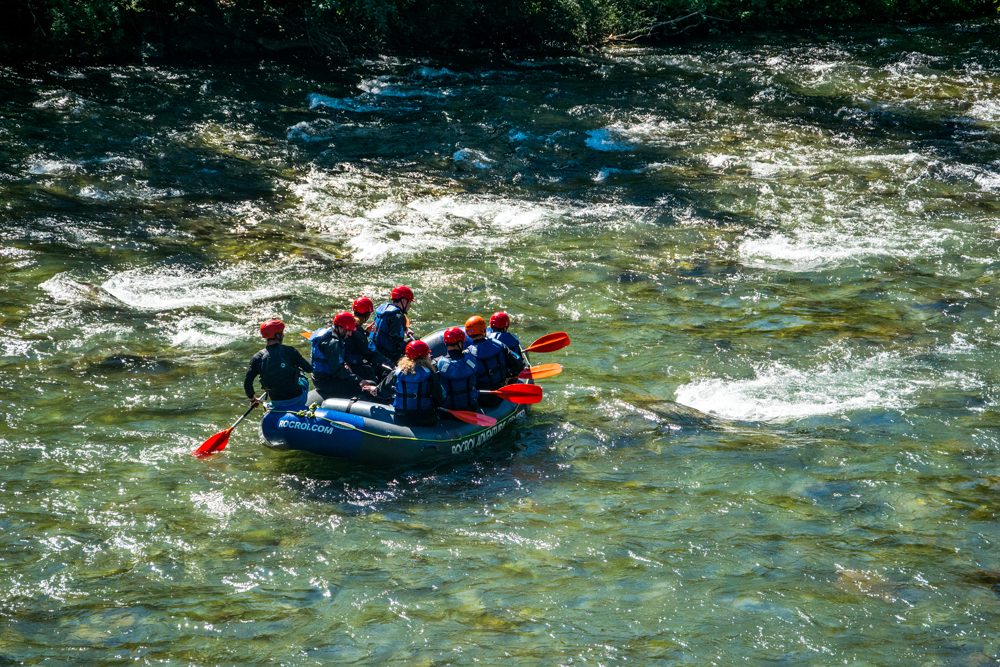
(64, 289)
(476, 158)
(608, 139)
(844, 240)
(201, 333)
(161, 288)
(45, 166)
(382, 227)
(342, 103)
(781, 393)
(387, 86)
(432, 73)
(306, 131)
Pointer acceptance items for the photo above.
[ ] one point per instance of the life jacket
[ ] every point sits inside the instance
(413, 390)
(277, 374)
(508, 339)
(383, 315)
(458, 380)
(319, 361)
(490, 353)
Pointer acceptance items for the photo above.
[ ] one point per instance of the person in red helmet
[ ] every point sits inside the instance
(499, 323)
(414, 387)
(359, 354)
(331, 375)
(278, 367)
(390, 333)
(458, 371)
(499, 364)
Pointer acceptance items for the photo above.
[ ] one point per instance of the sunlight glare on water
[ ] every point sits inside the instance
(773, 439)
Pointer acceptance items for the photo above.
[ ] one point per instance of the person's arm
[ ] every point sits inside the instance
(386, 390)
(252, 372)
(300, 361)
(437, 391)
(374, 356)
(397, 334)
(515, 364)
(334, 353)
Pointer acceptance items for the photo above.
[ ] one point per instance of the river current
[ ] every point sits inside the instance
(775, 439)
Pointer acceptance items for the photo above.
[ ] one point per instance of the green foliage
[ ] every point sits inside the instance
(119, 29)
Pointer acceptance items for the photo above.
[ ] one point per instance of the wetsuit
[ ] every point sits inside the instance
(278, 367)
(389, 333)
(331, 377)
(499, 364)
(415, 396)
(458, 371)
(365, 361)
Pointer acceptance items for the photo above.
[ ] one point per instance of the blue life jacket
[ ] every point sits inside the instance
(413, 391)
(490, 353)
(319, 361)
(508, 339)
(458, 380)
(383, 315)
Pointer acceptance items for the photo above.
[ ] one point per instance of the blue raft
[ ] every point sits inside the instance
(364, 432)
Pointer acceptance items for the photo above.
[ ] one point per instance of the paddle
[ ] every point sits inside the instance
(549, 342)
(518, 393)
(471, 417)
(306, 334)
(218, 441)
(539, 372)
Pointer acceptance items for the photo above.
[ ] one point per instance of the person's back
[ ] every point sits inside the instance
(390, 332)
(458, 371)
(331, 377)
(278, 367)
(499, 364)
(498, 331)
(415, 388)
(359, 352)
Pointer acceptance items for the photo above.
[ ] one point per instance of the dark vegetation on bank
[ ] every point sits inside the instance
(129, 30)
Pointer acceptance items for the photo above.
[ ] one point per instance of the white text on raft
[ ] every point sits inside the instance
(472, 443)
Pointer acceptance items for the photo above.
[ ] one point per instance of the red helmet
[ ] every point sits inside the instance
(402, 292)
(272, 328)
(500, 320)
(416, 349)
(345, 320)
(363, 305)
(475, 326)
(454, 335)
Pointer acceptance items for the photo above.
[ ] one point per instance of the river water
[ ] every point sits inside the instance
(775, 440)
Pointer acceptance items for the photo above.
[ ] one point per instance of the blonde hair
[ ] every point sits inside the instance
(409, 366)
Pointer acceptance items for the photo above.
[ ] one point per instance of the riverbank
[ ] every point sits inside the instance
(116, 31)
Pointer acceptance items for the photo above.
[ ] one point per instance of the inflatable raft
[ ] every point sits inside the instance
(364, 432)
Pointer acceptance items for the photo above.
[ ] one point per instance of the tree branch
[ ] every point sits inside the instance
(648, 30)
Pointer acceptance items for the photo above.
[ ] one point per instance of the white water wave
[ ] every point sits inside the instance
(378, 228)
(161, 288)
(781, 393)
(202, 333)
(810, 248)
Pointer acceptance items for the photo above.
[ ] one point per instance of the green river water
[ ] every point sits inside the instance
(775, 439)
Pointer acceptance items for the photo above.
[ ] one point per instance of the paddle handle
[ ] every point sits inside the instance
(249, 410)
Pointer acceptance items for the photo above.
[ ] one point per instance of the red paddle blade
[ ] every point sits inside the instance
(473, 417)
(214, 444)
(519, 393)
(539, 372)
(306, 334)
(549, 343)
